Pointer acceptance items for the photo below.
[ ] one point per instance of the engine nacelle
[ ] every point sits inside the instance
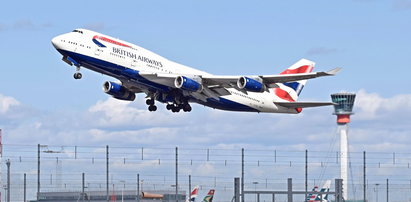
(250, 84)
(190, 84)
(118, 91)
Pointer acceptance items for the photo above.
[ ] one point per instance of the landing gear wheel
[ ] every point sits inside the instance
(77, 75)
(152, 108)
(187, 108)
(150, 101)
(169, 106)
(175, 109)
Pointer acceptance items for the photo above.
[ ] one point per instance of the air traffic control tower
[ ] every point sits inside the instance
(343, 110)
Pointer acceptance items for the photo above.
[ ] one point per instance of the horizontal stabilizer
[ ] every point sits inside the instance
(303, 104)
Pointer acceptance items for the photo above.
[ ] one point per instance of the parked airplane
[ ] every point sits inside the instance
(193, 195)
(210, 196)
(142, 71)
(320, 197)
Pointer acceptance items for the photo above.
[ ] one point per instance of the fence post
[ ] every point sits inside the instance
(107, 173)
(8, 179)
(24, 187)
(387, 191)
(242, 175)
(236, 189)
(290, 189)
(138, 188)
(38, 171)
(176, 174)
(364, 179)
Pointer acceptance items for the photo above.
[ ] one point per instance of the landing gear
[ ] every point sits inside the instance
(77, 75)
(187, 108)
(169, 106)
(150, 101)
(177, 107)
(151, 106)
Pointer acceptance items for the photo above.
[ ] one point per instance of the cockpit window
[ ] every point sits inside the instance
(81, 32)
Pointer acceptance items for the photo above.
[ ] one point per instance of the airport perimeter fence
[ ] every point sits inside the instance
(61, 169)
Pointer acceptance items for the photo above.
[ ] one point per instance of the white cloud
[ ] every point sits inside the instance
(114, 113)
(6, 103)
(371, 106)
(116, 122)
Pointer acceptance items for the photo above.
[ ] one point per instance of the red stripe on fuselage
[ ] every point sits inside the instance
(302, 69)
(110, 41)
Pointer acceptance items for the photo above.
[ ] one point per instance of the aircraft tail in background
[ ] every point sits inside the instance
(193, 195)
(210, 196)
(320, 197)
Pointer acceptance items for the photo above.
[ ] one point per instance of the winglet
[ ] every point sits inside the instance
(334, 71)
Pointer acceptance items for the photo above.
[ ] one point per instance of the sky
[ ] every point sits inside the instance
(40, 102)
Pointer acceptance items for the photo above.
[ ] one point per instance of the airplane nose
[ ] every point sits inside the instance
(55, 42)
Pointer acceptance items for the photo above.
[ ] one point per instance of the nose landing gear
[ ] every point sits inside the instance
(77, 75)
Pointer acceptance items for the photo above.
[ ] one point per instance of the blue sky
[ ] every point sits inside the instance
(40, 102)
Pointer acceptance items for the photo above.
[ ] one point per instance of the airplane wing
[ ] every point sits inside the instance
(231, 81)
(303, 104)
(268, 79)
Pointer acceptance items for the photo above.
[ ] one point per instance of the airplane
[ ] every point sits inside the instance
(320, 197)
(142, 71)
(193, 195)
(210, 196)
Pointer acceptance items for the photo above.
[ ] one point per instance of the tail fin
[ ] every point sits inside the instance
(320, 197)
(193, 195)
(210, 196)
(291, 90)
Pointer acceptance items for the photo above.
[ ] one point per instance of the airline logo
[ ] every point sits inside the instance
(97, 39)
(210, 196)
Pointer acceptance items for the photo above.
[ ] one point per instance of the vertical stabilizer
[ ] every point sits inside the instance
(210, 196)
(320, 197)
(193, 195)
(291, 90)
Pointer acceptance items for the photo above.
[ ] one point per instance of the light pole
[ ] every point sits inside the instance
(122, 190)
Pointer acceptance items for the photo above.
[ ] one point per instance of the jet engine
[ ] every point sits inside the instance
(190, 84)
(118, 91)
(251, 84)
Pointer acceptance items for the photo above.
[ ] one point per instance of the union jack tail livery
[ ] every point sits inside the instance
(210, 196)
(193, 195)
(290, 91)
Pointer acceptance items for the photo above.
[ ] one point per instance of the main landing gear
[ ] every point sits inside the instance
(77, 75)
(174, 107)
(177, 107)
(151, 106)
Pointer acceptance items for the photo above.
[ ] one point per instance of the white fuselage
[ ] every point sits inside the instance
(113, 57)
